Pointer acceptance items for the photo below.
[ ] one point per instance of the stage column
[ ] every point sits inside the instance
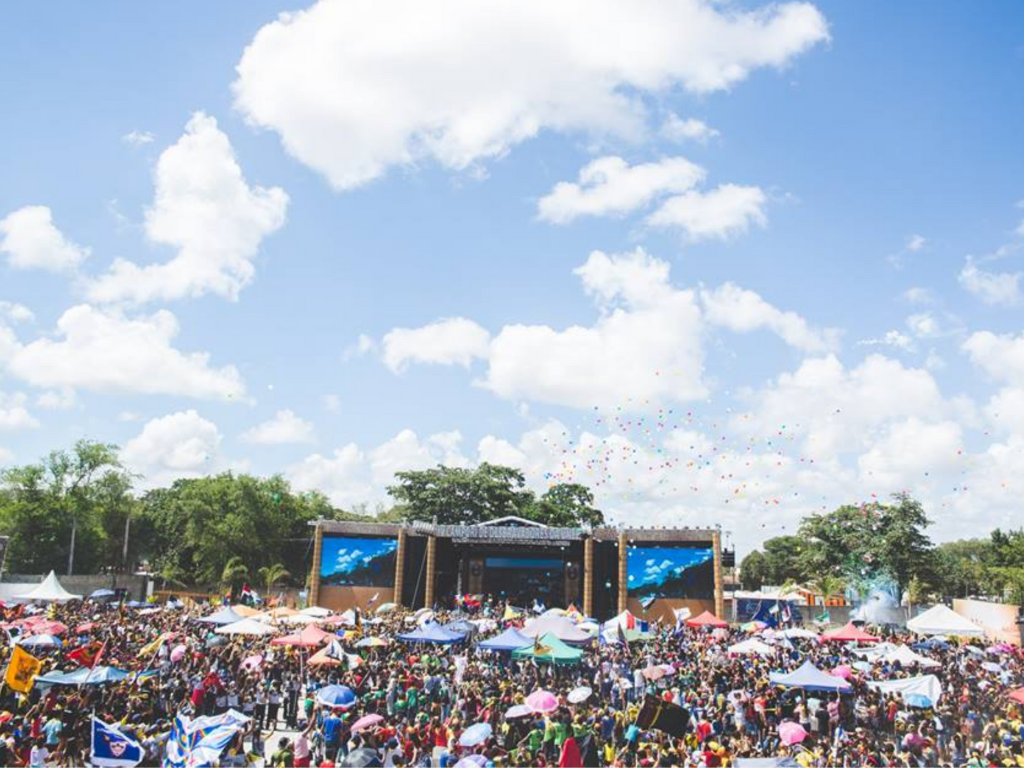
(399, 567)
(314, 577)
(716, 542)
(623, 576)
(588, 576)
(428, 593)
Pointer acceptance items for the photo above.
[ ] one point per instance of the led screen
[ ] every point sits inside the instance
(670, 571)
(361, 562)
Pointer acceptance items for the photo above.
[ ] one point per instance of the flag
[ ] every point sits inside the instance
(647, 601)
(111, 748)
(664, 716)
(249, 596)
(373, 599)
(510, 614)
(539, 649)
(87, 655)
(787, 615)
(643, 627)
(152, 647)
(623, 641)
(774, 609)
(824, 618)
(198, 743)
(22, 670)
(146, 675)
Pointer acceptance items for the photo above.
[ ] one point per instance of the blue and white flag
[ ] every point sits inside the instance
(199, 743)
(111, 748)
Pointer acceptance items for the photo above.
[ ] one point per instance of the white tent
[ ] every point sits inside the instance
(317, 611)
(246, 627)
(50, 591)
(923, 685)
(940, 620)
(751, 646)
(906, 656)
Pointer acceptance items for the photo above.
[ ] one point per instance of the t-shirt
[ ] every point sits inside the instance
(38, 756)
(52, 730)
(332, 729)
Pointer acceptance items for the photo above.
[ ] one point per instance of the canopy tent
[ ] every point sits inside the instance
(247, 611)
(311, 636)
(333, 655)
(246, 627)
(796, 633)
(810, 678)
(751, 646)
(559, 626)
(460, 627)
(49, 591)
(509, 640)
(706, 619)
(850, 633)
(315, 611)
(83, 676)
(941, 620)
(548, 648)
(906, 656)
(927, 686)
(225, 615)
(432, 633)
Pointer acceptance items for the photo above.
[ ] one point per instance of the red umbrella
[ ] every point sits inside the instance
(311, 636)
(706, 619)
(849, 634)
(1017, 695)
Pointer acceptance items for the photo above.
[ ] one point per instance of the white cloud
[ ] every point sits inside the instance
(204, 208)
(676, 128)
(362, 346)
(995, 288)
(723, 212)
(15, 313)
(609, 186)
(453, 341)
(57, 399)
(137, 138)
(32, 241)
(924, 325)
(332, 404)
(1005, 411)
(285, 428)
(458, 84)
(910, 448)
(106, 351)
(918, 295)
(13, 413)
(1000, 356)
(915, 243)
(178, 445)
(893, 338)
(744, 311)
(645, 347)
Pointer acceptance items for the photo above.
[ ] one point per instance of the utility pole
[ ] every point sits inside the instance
(71, 552)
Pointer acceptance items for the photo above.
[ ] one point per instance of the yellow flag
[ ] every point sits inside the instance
(152, 647)
(510, 614)
(22, 670)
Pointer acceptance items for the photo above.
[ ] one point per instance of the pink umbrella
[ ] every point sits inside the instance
(366, 721)
(542, 701)
(843, 671)
(791, 733)
(654, 673)
(252, 662)
(178, 653)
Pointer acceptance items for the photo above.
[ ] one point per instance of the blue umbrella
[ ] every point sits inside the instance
(336, 696)
(97, 594)
(475, 734)
(917, 700)
(40, 641)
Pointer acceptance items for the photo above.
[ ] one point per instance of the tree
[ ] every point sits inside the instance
(455, 495)
(753, 571)
(272, 575)
(827, 585)
(53, 509)
(565, 505)
(234, 575)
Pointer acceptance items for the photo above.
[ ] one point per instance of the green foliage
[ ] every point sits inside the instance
(754, 571)
(454, 495)
(82, 494)
(272, 575)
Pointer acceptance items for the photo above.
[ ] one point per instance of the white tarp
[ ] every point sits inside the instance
(941, 620)
(50, 591)
(924, 685)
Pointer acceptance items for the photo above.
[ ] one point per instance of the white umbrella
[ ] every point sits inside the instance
(317, 611)
(247, 627)
(300, 618)
(579, 695)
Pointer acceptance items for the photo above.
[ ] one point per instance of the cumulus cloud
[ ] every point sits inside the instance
(178, 445)
(458, 84)
(13, 413)
(284, 429)
(107, 351)
(137, 138)
(609, 186)
(727, 210)
(452, 341)
(743, 311)
(204, 208)
(31, 240)
(676, 128)
(645, 347)
(994, 288)
(1001, 356)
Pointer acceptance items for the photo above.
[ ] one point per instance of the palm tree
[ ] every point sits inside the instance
(235, 574)
(827, 585)
(272, 575)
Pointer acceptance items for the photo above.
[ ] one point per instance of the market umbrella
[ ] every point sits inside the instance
(579, 695)
(336, 697)
(542, 701)
(317, 611)
(362, 758)
(101, 593)
(522, 710)
(791, 733)
(366, 721)
(991, 666)
(475, 735)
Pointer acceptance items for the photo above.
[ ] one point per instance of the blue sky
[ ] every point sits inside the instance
(793, 272)
(345, 555)
(654, 565)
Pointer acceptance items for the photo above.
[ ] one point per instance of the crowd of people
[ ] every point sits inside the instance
(454, 704)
